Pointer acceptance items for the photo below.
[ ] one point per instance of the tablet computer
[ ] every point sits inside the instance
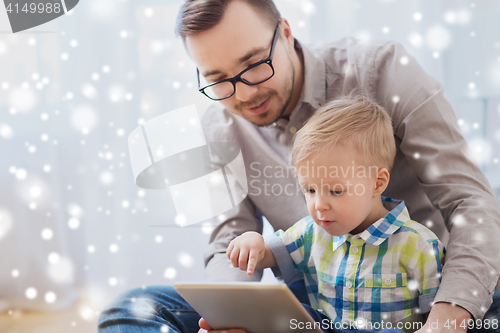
(254, 306)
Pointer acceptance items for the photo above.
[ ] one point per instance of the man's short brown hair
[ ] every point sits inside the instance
(196, 16)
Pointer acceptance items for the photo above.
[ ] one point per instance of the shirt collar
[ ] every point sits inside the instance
(313, 89)
(379, 231)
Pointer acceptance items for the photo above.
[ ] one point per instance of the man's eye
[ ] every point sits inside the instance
(254, 63)
(216, 79)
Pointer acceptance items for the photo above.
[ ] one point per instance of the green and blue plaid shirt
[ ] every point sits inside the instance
(390, 272)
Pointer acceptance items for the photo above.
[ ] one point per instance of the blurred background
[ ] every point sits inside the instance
(75, 230)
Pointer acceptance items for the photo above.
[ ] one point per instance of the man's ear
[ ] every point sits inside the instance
(382, 181)
(286, 32)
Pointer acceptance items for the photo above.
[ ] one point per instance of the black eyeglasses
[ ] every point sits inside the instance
(253, 75)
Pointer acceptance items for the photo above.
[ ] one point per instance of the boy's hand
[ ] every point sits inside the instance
(246, 251)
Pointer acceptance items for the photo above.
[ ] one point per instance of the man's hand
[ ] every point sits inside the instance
(445, 317)
(204, 328)
(246, 251)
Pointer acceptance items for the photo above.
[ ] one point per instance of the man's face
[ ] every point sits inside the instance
(242, 38)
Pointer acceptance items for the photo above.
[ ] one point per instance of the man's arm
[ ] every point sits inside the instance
(428, 135)
(217, 126)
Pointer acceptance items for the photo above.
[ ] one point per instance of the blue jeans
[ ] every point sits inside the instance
(162, 309)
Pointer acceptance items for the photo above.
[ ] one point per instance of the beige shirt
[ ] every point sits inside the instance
(434, 173)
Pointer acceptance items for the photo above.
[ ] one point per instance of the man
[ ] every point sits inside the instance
(268, 85)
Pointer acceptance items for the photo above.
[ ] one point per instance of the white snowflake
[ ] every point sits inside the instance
(74, 223)
(438, 38)
(6, 131)
(6, 222)
(113, 248)
(35, 192)
(207, 228)
(170, 273)
(89, 91)
(75, 210)
(50, 297)
(21, 174)
(458, 220)
(180, 219)
(416, 39)
(54, 258)
(308, 7)
(185, 259)
(31, 293)
(23, 99)
(148, 12)
(84, 118)
(86, 311)
(47, 234)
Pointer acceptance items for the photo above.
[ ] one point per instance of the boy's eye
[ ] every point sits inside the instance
(339, 192)
(310, 190)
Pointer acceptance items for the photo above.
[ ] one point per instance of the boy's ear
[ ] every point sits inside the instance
(382, 181)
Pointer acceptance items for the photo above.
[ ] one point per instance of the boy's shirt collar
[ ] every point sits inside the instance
(378, 232)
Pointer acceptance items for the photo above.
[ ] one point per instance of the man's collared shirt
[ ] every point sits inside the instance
(390, 272)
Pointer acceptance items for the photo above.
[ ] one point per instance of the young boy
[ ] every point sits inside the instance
(364, 261)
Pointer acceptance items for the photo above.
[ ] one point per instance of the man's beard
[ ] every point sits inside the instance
(289, 84)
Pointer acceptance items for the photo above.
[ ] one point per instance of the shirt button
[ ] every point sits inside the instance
(354, 249)
(388, 281)
(293, 129)
(348, 284)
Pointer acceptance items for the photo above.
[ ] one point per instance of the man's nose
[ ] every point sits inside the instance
(244, 92)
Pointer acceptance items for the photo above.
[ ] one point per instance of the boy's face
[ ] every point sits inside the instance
(339, 189)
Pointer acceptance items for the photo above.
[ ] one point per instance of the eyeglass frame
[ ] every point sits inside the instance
(237, 78)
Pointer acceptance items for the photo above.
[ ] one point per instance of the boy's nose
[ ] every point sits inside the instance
(244, 92)
(321, 204)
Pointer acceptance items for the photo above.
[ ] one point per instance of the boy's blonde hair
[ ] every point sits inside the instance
(348, 120)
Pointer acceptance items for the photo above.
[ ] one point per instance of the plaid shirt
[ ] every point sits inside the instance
(390, 272)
